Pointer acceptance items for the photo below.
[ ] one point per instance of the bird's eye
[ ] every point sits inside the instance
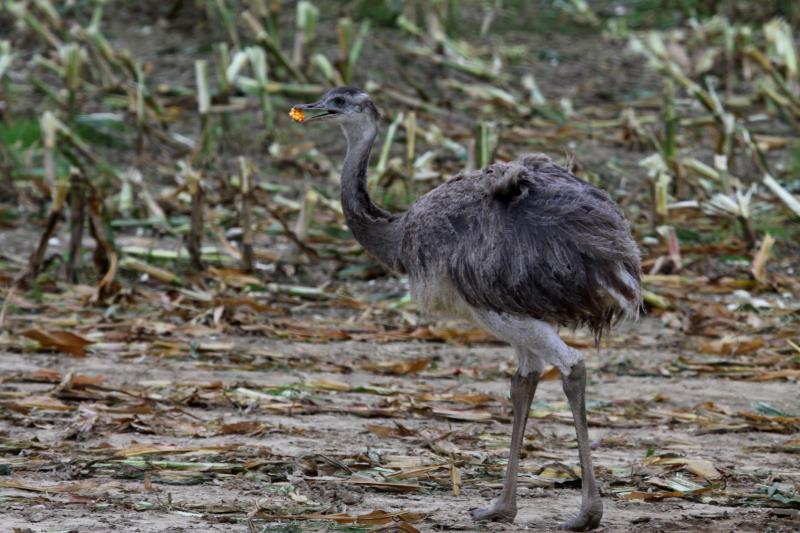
(338, 101)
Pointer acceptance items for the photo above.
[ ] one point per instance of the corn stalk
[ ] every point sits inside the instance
(203, 108)
(246, 212)
(485, 143)
(265, 40)
(258, 63)
(350, 45)
(305, 32)
(194, 240)
(6, 59)
(653, 47)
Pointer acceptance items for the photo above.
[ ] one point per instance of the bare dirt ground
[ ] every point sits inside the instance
(195, 439)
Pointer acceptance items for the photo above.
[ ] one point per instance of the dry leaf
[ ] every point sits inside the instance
(455, 479)
(416, 472)
(376, 517)
(19, 484)
(143, 450)
(44, 403)
(465, 415)
(398, 368)
(399, 527)
(77, 380)
(327, 384)
(383, 485)
(64, 341)
(786, 373)
(472, 399)
(455, 334)
(700, 467)
(234, 277)
(247, 426)
(759, 268)
(703, 468)
(387, 431)
(654, 496)
(550, 374)
(732, 345)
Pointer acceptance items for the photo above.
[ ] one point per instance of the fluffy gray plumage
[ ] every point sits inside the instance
(518, 247)
(524, 238)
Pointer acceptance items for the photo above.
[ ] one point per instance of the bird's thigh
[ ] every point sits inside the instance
(536, 341)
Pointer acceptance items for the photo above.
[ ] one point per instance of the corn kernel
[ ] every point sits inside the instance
(297, 114)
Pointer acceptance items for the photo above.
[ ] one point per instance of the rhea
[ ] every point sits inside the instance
(521, 248)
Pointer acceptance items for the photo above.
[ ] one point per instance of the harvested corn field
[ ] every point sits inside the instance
(191, 338)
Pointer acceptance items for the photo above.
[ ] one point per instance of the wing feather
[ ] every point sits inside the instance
(528, 238)
(554, 247)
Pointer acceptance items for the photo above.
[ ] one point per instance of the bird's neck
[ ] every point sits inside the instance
(377, 230)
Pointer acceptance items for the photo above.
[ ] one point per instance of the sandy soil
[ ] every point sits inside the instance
(219, 502)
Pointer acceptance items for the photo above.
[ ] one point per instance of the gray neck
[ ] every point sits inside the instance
(378, 231)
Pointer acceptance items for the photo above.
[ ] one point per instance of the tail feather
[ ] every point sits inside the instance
(509, 186)
(516, 176)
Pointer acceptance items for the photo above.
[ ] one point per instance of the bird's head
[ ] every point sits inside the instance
(347, 106)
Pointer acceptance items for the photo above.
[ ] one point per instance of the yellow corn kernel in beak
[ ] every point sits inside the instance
(297, 114)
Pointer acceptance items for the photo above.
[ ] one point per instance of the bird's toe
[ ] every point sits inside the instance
(584, 521)
(493, 514)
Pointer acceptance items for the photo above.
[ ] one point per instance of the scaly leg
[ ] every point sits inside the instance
(538, 342)
(591, 505)
(523, 387)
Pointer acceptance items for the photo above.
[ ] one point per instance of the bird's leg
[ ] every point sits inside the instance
(591, 505)
(523, 387)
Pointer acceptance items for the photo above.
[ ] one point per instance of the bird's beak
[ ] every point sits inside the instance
(317, 111)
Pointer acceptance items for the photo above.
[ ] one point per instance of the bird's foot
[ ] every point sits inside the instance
(495, 513)
(586, 519)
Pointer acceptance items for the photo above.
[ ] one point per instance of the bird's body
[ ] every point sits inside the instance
(518, 247)
(525, 238)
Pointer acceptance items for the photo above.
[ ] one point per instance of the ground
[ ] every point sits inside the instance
(183, 429)
(311, 394)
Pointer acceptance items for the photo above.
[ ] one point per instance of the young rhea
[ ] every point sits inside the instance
(520, 248)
